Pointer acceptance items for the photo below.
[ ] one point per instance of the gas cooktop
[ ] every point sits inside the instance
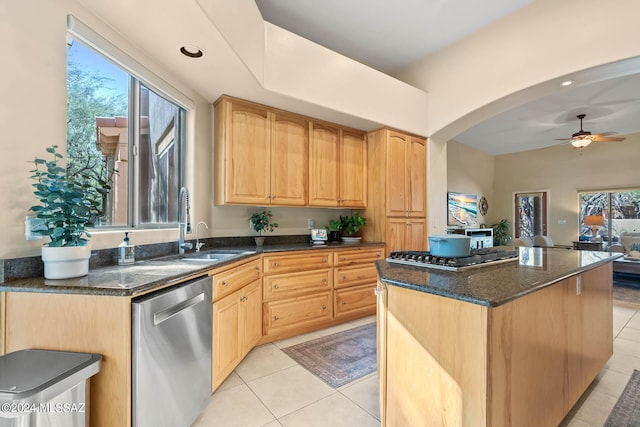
(478, 258)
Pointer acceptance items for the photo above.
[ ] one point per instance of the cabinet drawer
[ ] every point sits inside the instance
(296, 313)
(275, 264)
(357, 257)
(235, 278)
(355, 275)
(289, 285)
(360, 299)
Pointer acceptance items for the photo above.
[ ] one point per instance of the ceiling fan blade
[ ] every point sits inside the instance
(563, 139)
(603, 134)
(608, 138)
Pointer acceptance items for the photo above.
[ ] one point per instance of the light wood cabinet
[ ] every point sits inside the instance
(237, 327)
(306, 291)
(406, 182)
(405, 234)
(444, 361)
(397, 210)
(295, 314)
(260, 155)
(355, 300)
(235, 278)
(337, 167)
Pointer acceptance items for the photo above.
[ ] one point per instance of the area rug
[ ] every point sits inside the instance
(626, 412)
(339, 358)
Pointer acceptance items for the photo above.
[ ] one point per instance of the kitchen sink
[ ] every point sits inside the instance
(216, 255)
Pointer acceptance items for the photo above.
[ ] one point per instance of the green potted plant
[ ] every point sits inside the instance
(351, 226)
(71, 199)
(501, 233)
(334, 228)
(262, 221)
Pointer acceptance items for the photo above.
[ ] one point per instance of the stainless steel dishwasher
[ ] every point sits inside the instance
(171, 349)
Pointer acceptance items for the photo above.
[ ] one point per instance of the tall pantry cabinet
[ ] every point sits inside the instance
(397, 174)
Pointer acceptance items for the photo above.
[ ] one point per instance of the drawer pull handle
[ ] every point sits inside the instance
(324, 307)
(276, 317)
(276, 286)
(324, 260)
(324, 280)
(344, 258)
(275, 264)
(344, 302)
(344, 277)
(225, 283)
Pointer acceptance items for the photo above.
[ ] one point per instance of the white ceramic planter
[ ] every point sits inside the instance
(66, 262)
(346, 239)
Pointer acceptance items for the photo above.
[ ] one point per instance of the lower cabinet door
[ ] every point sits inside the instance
(297, 313)
(358, 299)
(226, 348)
(250, 317)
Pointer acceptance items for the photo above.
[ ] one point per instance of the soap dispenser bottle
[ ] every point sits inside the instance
(126, 251)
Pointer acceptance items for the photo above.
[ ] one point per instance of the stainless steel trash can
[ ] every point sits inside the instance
(46, 388)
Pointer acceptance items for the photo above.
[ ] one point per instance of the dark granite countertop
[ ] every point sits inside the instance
(495, 285)
(151, 274)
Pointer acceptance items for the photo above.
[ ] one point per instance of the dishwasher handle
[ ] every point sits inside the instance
(167, 313)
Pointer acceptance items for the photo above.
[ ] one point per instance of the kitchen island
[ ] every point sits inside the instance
(515, 343)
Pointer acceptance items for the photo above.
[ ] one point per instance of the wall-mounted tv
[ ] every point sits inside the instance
(462, 210)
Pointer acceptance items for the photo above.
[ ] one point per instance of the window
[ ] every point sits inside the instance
(120, 125)
(620, 211)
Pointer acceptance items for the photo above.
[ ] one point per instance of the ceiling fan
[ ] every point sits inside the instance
(582, 138)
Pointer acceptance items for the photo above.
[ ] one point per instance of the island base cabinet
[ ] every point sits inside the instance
(443, 361)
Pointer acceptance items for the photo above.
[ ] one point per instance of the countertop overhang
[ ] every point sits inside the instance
(494, 285)
(149, 275)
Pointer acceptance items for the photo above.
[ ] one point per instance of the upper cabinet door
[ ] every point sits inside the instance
(417, 177)
(247, 154)
(289, 153)
(324, 159)
(353, 170)
(396, 182)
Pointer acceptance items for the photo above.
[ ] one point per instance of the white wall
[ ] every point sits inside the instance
(33, 114)
(471, 172)
(565, 171)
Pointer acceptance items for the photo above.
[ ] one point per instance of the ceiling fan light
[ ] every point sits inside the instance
(580, 142)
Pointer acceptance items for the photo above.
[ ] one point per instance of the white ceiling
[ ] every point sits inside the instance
(385, 35)
(389, 36)
(382, 36)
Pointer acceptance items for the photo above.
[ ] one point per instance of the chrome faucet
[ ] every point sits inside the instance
(198, 243)
(184, 220)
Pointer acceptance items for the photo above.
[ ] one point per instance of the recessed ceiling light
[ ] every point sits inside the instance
(567, 83)
(191, 51)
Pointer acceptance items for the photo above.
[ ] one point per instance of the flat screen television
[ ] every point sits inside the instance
(462, 210)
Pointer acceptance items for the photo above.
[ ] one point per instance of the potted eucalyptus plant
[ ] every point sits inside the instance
(351, 226)
(70, 200)
(262, 221)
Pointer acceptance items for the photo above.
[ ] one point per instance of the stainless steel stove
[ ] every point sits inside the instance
(478, 258)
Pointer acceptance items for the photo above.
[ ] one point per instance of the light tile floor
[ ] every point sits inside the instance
(270, 389)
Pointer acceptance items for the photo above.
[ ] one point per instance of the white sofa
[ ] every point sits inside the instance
(627, 239)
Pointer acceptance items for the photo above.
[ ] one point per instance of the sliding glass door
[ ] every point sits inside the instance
(619, 210)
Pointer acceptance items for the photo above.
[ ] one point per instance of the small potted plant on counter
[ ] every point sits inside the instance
(71, 199)
(262, 221)
(351, 226)
(334, 229)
